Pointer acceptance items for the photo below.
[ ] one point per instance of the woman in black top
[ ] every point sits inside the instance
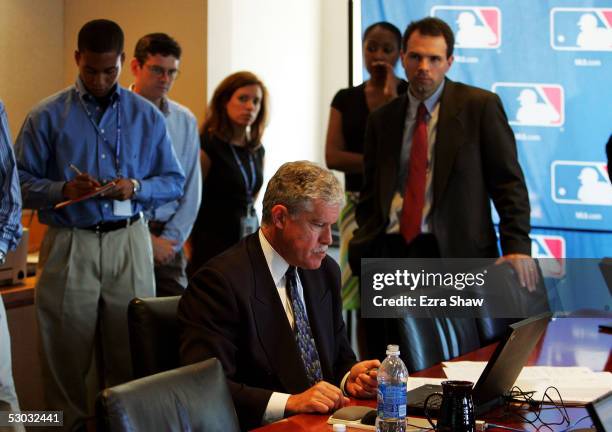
(346, 129)
(232, 159)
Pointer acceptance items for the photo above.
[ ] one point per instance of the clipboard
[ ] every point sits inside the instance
(97, 191)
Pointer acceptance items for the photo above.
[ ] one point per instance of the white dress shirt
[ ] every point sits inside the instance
(275, 410)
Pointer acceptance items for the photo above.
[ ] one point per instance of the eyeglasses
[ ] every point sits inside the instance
(159, 71)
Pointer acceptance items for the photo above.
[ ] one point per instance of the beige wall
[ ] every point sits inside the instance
(299, 49)
(31, 48)
(38, 38)
(185, 20)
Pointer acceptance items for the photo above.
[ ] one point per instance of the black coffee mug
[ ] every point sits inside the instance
(456, 412)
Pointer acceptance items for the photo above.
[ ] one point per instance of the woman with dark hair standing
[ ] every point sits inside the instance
(232, 160)
(346, 129)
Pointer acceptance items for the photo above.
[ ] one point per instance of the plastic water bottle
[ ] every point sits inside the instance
(392, 377)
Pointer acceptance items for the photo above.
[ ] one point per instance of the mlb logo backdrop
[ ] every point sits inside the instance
(477, 27)
(532, 104)
(581, 29)
(550, 62)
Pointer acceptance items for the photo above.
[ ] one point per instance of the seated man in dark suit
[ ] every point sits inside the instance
(279, 332)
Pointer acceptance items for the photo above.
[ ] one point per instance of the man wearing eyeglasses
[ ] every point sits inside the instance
(155, 68)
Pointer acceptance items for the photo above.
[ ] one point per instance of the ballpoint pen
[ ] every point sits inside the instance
(75, 169)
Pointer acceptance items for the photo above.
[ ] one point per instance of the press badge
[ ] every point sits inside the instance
(122, 208)
(249, 223)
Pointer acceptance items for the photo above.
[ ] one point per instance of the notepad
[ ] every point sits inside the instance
(95, 192)
(576, 384)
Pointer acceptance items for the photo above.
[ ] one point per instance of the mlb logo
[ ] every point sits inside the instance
(549, 250)
(581, 29)
(532, 104)
(575, 182)
(474, 26)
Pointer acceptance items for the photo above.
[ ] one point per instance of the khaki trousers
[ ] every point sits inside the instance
(86, 282)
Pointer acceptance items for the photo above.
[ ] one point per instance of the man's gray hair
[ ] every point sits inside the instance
(296, 184)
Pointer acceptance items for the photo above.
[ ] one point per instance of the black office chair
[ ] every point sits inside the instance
(517, 298)
(192, 398)
(425, 342)
(154, 334)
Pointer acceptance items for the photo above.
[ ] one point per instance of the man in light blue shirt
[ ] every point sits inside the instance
(10, 233)
(96, 255)
(155, 67)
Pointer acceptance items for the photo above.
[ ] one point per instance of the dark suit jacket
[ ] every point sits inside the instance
(474, 159)
(231, 310)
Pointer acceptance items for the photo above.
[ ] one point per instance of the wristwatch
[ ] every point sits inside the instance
(136, 184)
(2, 257)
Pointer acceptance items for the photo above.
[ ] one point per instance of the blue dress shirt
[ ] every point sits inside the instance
(10, 198)
(180, 215)
(72, 127)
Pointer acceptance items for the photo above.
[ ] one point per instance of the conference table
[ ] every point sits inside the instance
(566, 342)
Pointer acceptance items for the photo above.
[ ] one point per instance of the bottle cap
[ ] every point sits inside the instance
(393, 349)
(339, 427)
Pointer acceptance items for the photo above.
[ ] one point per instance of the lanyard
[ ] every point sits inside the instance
(250, 186)
(117, 106)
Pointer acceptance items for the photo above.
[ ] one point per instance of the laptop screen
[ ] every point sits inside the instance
(508, 359)
(600, 411)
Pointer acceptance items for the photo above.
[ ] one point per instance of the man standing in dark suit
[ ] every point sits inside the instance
(434, 158)
(279, 332)
(470, 158)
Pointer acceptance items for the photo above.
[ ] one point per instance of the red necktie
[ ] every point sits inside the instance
(414, 191)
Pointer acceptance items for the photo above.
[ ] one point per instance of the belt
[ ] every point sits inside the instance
(104, 227)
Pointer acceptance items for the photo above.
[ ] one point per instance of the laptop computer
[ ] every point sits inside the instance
(501, 371)
(600, 411)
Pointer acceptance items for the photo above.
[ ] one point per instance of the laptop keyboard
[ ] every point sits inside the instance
(417, 397)
(433, 403)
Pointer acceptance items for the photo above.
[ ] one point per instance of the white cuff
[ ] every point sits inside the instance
(276, 408)
(343, 383)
